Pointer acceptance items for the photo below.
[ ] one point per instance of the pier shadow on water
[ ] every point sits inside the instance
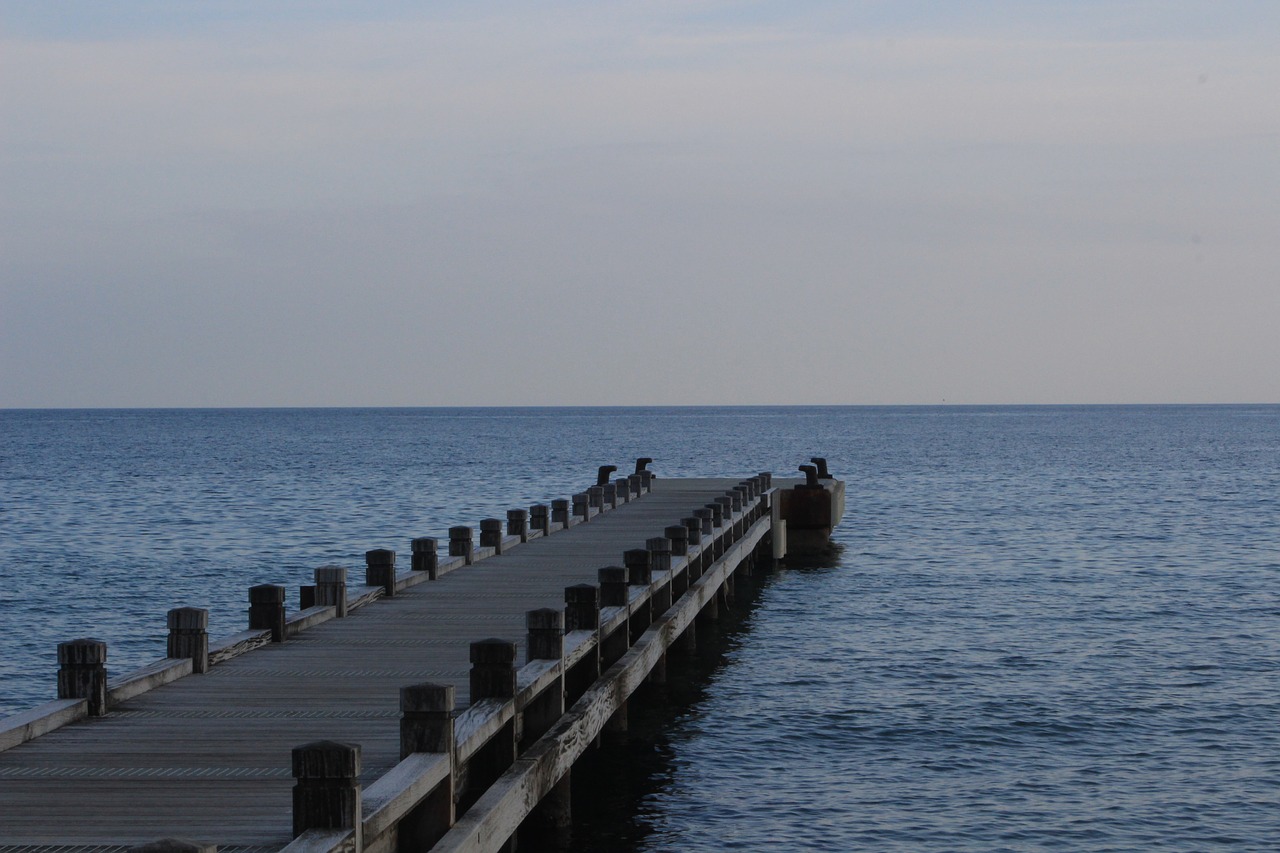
(614, 785)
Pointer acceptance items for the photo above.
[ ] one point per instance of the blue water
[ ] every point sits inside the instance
(1047, 628)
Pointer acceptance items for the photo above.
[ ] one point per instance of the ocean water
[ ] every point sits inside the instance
(1045, 628)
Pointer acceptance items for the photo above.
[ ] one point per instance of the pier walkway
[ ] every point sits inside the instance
(418, 734)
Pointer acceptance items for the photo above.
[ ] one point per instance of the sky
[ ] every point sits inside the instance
(638, 203)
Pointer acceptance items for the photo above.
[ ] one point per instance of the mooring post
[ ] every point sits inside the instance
(460, 544)
(189, 636)
(266, 610)
(518, 523)
(540, 518)
(82, 673)
(491, 534)
(331, 589)
(820, 463)
(326, 794)
(426, 725)
(560, 512)
(380, 570)
(426, 557)
(602, 474)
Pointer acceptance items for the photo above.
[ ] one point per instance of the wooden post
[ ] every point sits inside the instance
(705, 520)
(189, 636)
(426, 718)
(693, 536)
(646, 481)
(380, 570)
(582, 506)
(613, 586)
(678, 535)
(426, 725)
(636, 484)
(491, 534)
(460, 544)
(493, 670)
(582, 613)
(326, 794)
(595, 498)
(717, 530)
(659, 548)
(518, 523)
(426, 557)
(613, 593)
(560, 512)
(82, 673)
(582, 607)
(609, 493)
(639, 565)
(493, 676)
(623, 486)
(331, 588)
(266, 610)
(540, 518)
(545, 640)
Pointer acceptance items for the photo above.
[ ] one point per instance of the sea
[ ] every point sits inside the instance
(1039, 628)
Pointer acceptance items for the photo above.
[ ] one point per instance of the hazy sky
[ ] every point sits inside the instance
(395, 203)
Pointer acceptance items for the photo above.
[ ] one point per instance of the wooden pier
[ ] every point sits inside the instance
(432, 707)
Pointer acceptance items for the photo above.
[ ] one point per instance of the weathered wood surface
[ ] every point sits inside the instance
(207, 757)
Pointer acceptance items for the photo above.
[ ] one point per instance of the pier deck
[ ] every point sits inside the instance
(207, 756)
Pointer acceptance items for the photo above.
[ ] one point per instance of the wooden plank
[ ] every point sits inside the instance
(500, 810)
(208, 757)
